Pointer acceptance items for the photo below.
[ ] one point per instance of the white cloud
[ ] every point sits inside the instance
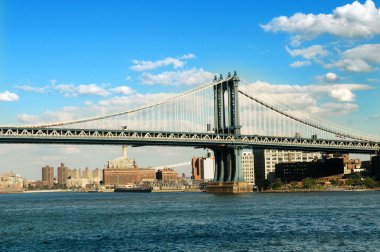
(70, 90)
(8, 96)
(67, 90)
(28, 118)
(123, 90)
(188, 56)
(309, 98)
(334, 109)
(354, 20)
(342, 94)
(133, 101)
(28, 88)
(296, 64)
(67, 113)
(92, 89)
(144, 65)
(312, 52)
(331, 77)
(360, 58)
(192, 76)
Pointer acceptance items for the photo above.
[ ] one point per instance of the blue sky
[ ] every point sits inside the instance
(60, 60)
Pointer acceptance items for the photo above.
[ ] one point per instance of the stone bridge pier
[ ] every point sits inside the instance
(228, 176)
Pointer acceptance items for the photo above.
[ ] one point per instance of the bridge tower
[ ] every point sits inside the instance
(228, 177)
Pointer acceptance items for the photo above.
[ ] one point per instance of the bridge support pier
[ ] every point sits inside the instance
(228, 176)
(228, 172)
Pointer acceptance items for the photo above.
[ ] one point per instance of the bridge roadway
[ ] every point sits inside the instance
(20, 135)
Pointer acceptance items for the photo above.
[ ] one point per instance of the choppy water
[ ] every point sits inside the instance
(334, 221)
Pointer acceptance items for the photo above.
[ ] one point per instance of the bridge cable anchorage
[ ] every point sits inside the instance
(96, 118)
(317, 124)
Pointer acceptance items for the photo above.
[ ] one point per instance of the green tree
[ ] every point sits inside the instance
(309, 183)
(266, 184)
(277, 184)
(370, 183)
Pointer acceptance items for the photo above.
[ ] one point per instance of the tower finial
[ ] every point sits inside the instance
(221, 77)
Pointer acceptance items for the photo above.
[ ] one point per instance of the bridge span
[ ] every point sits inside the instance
(196, 139)
(221, 115)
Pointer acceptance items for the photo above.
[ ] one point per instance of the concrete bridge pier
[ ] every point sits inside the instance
(228, 172)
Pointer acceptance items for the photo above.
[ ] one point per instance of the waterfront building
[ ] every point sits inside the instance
(97, 173)
(122, 162)
(48, 176)
(196, 168)
(123, 171)
(74, 173)
(265, 161)
(247, 165)
(87, 173)
(63, 174)
(297, 171)
(167, 174)
(11, 182)
(375, 164)
(202, 168)
(124, 176)
(208, 168)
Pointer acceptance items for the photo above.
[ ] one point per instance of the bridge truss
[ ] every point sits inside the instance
(188, 120)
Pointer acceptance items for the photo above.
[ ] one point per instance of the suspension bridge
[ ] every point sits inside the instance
(220, 115)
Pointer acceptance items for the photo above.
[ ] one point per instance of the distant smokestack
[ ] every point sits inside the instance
(125, 147)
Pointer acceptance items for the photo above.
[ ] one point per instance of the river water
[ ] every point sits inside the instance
(326, 221)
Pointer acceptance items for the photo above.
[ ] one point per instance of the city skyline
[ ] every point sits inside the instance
(69, 60)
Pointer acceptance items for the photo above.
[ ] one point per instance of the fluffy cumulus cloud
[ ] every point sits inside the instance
(192, 76)
(342, 94)
(188, 56)
(70, 90)
(312, 52)
(330, 77)
(125, 90)
(8, 96)
(92, 89)
(360, 58)
(354, 20)
(67, 113)
(333, 108)
(28, 118)
(144, 65)
(309, 98)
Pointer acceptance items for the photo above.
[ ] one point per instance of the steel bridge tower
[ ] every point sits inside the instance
(228, 177)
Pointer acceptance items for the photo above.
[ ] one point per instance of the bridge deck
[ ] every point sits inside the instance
(199, 140)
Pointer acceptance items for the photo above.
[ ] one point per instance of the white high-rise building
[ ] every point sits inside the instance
(265, 161)
(208, 166)
(247, 165)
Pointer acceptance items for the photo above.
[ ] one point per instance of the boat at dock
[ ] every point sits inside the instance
(134, 189)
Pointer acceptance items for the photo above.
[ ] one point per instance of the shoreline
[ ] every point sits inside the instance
(316, 190)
